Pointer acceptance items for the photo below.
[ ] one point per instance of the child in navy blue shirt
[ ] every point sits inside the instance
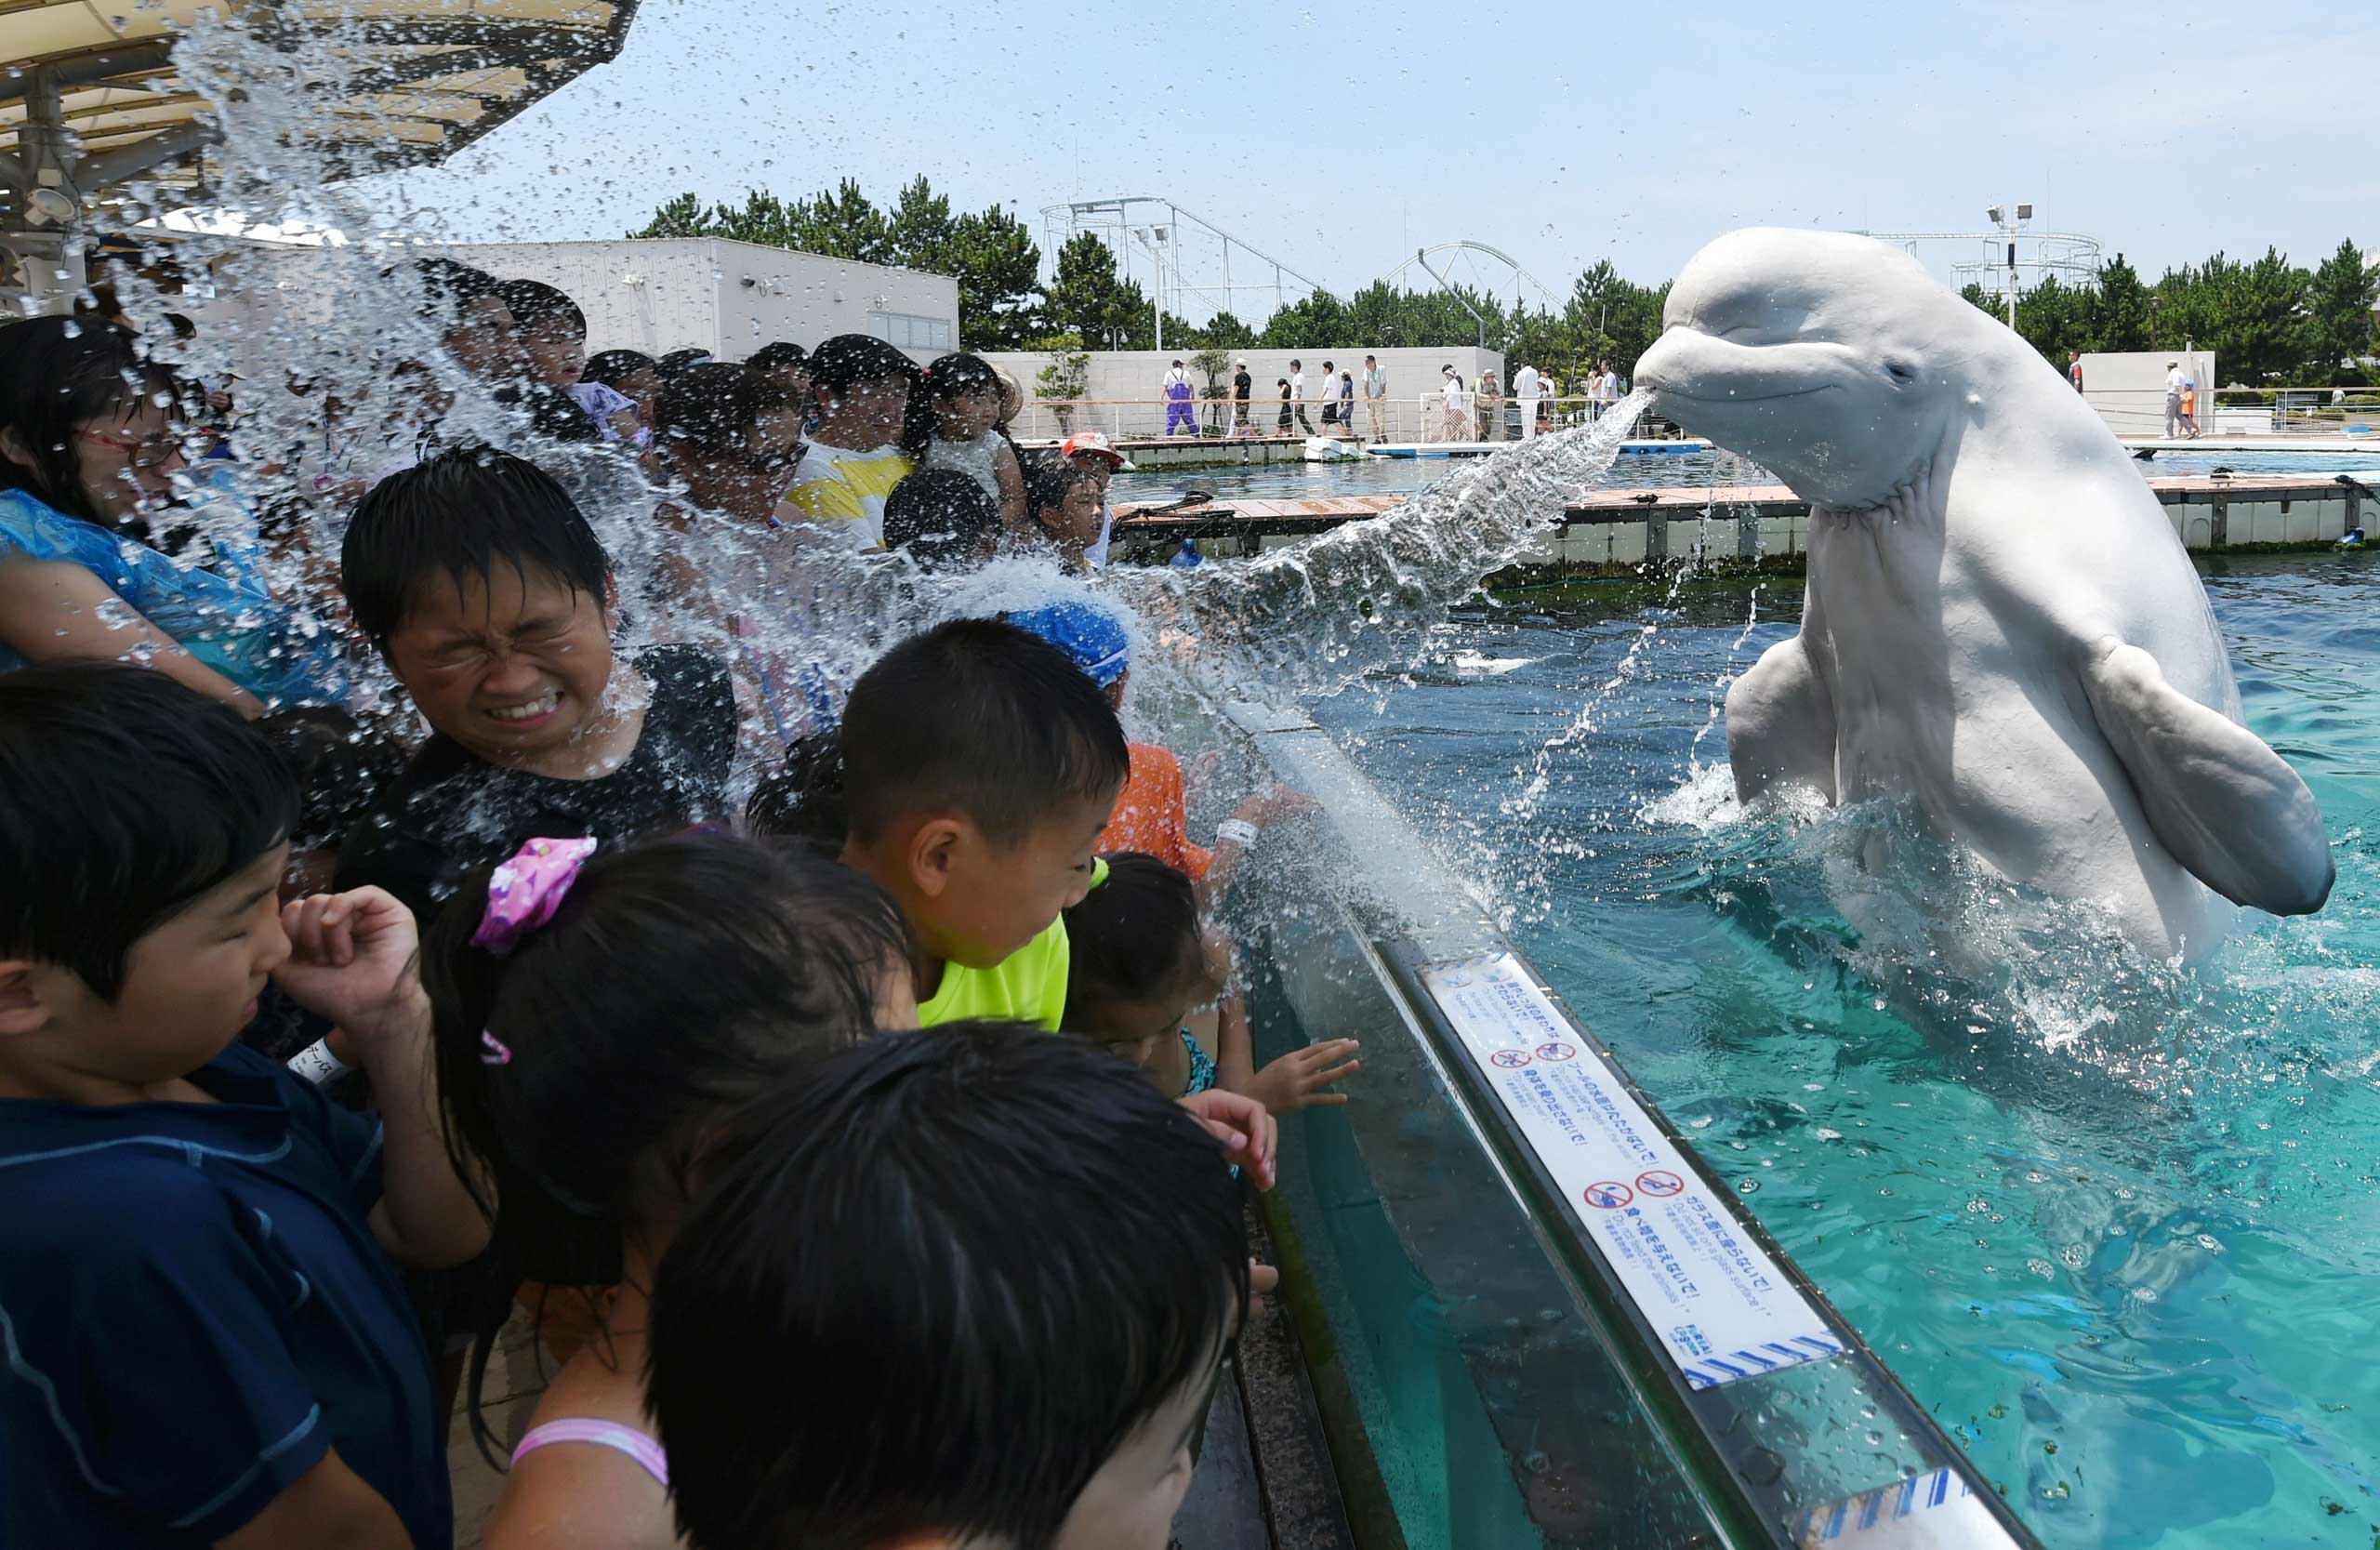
(207, 1342)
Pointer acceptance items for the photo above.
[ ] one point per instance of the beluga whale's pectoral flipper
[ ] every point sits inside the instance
(2229, 808)
(1781, 724)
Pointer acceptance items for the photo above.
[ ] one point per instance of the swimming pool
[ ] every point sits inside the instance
(1393, 476)
(2112, 1224)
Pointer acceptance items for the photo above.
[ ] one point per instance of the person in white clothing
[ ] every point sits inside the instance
(1525, 384)
(2174, 381)
(1451, 395)
(1375, 395)
(1296, 396)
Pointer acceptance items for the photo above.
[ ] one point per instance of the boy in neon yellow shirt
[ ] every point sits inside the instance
(980, 766)
(861, 386)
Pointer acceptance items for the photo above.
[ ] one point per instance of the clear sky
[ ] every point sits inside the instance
(1339, 137)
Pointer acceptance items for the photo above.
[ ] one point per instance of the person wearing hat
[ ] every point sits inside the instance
(2174, 381)
(1177, 400)
(861, 386)
(1240, 385)
(1092, 450)
(1375, 395)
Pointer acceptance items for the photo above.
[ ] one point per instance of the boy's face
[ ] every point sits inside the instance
(865, 415)
(190, 985)
(1130, 1502)
(1073, 525)
(979, 902)
(964, 417)
(557, 351)
(510, 665)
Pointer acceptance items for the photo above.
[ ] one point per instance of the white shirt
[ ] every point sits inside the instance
(1453, 391)
(1525, 385)
(2174, 381)
(1297, 386)
(1178, 378)
(1375, 382)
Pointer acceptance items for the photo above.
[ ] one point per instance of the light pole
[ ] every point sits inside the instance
(2007, 230)
(1154, 238)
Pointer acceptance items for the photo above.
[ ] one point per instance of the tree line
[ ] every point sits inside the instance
(2268, 321)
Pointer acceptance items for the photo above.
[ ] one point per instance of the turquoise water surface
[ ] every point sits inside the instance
(2112, 1224)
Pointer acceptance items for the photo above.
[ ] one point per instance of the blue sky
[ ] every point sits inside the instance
(1340, 137)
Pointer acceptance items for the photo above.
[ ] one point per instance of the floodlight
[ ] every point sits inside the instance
(1997, 214)
(2024, 212)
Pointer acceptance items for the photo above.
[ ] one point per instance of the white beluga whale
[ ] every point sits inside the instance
(2000, 625)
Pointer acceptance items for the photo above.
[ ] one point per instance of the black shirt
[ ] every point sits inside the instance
(1241, 383)
(451, 814)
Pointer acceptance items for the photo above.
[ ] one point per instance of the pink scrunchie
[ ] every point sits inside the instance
(523, 893)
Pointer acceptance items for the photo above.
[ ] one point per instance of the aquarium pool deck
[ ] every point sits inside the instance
(2209, 511)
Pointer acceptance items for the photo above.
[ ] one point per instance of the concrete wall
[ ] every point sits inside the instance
(2128, 389)
(1127, 385)
(729, 298)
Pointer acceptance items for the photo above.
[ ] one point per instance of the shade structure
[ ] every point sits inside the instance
(90, 94)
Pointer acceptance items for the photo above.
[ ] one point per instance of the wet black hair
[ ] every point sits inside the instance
(1135, 937)
(612, 367)
(710, 409)
(460, 514)
(582, 1074)
(448, 285)
(679, 361)
(779, 357)
(961, 373)
(849, 358)
(939, 517)
(802, 799)
(339, 764)
(182, 326)
(56, 374)
(124, 796)
(980, 716)
(534, 303)
(933, 1228)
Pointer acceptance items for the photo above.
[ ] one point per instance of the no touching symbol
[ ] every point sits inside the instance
(1555, 1052)
(1511, 1060)
(1660, 1180)
(1608, 1196)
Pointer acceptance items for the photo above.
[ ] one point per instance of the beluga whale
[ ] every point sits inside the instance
(2000, 627)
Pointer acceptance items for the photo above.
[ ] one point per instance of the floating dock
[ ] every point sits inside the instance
(2210, 512)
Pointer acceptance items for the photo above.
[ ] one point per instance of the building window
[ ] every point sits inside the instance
(909, 330)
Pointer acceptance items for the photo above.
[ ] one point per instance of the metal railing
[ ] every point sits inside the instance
(2312, 410)
(1419, 419)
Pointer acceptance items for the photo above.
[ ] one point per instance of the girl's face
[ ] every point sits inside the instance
(1140, 1030)
(963, 416)
(125, 463)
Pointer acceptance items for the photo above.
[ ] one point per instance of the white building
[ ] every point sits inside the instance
(729, 298)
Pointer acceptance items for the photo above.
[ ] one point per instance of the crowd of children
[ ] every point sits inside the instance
(857, 1110)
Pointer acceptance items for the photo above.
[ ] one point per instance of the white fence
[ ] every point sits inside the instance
(1477, 417)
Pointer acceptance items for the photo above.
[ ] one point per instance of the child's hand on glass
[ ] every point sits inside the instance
(1296, 1079)
(1270, 806)
(1245, 1127)
(352, 960)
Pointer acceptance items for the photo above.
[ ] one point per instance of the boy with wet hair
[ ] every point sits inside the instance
(1063, 509)
(206, 1342)
(861, 386)
(492, 601)
(980, 766)
(552, 332)
(1023, 1363)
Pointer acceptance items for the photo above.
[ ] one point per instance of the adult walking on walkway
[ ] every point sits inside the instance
(1490, 402)
(1450, 396)
(1375, 395)
(1525, 385)
(1330, 396)
(1240, 385)
(1178, 408)
(1297, 397)
(2174, 381)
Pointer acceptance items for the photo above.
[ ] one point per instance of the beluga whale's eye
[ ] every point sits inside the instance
(1900, 371)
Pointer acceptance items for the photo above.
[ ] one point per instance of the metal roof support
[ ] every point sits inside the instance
(1421, 257)
(130, 161)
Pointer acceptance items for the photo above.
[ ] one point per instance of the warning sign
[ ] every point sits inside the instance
(1724, 1307)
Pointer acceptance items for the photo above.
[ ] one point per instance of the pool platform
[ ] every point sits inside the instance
(1759, 522)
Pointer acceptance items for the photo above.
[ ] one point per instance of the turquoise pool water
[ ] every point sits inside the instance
(2115, 1227)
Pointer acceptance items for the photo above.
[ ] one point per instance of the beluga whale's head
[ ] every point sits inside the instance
(1832, 360)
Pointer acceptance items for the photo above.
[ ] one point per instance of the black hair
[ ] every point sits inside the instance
(710, 409)
(939, 517)
(448, 285)
(1135, 937)
(802, 799)
(612, 367)
(1049, 477)
(123, 795)
(961, 373)
(849, 358)
(582, 1073)
(938, 1228)
(1297, 365)
(56, 374)
(339, 764)
(679, 361)
(460, 514)
(981, 716)
(779, 357)
(534, 303)
(183, 327)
